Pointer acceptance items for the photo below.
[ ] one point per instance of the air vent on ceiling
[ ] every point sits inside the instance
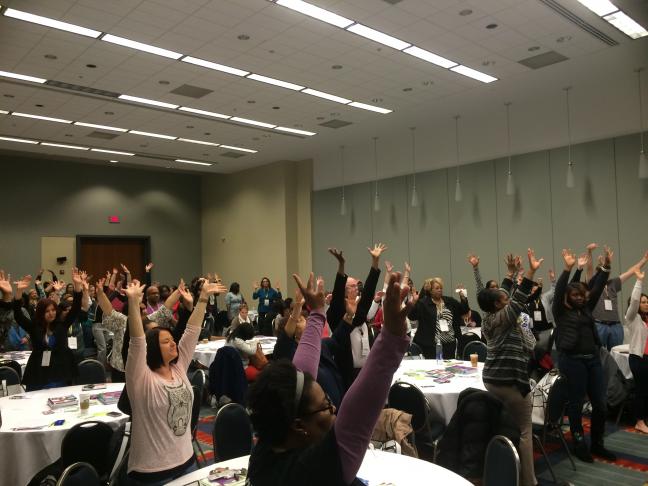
(82, 89)
(335, 124)
(572, 17)
(542, 60)
(191, 91)
(102, 135)
(392, 2)
(233, 155)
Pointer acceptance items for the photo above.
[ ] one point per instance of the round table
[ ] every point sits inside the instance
(377, 467)
(206, 353)
(442, 397)
(25, 452)
(21, 357)
(621, 355)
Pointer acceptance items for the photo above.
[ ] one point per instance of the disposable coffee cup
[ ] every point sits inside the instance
(474, 359)
(84, 402)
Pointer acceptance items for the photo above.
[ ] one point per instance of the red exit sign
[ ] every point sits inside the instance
(113, 219)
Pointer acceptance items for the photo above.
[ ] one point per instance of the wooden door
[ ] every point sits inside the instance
(98, 254)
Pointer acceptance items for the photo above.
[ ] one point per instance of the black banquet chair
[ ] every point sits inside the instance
(12, 364)
(9, 374)
(502, 463)
(79, 474)
(475, 347)
(232, 433)
(91, 372)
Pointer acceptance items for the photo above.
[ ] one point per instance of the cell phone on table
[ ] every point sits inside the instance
(114, 414)
(59, 422)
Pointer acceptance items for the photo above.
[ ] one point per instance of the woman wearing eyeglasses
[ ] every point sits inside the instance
(301, 441)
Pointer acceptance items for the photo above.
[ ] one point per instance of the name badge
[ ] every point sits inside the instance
(266, 302)
(364, 348)
(537, 316)
(46, 358)
(72, 342)
(443, 325)
(607, 303)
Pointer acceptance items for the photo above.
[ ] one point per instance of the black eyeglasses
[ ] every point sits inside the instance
(329, 406)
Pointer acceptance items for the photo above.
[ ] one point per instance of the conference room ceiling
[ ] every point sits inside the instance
(501, 38)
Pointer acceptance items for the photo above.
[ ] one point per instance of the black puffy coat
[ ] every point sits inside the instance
(479, 416)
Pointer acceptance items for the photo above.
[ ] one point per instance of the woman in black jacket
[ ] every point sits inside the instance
(439, 318)
(51, 363)
(578, 346)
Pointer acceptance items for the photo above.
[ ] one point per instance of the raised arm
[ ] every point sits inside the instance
(474, 261)
(635, 298)
(589, 267)
(600, 279)
(631, 271)
(307, 355)
(198, 314)
(558, 305)
(335, 312)
(77, 281)
(370, 285)
(295, 313)
(365, 399)
(102, 300)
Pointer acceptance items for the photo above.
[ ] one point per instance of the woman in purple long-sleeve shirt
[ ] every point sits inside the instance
(301, 441)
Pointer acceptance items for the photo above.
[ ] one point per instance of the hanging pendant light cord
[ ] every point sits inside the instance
(457, 142)
(413, 129)
(342, 157)
(375, 140)
(508, 135)
(569, 159)
(641, 134)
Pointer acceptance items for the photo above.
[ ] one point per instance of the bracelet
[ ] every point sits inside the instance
(348, 316)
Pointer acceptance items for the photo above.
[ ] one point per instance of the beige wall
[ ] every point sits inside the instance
(53, 247)
(256, 223)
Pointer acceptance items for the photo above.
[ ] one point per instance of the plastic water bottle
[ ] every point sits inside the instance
(439, 351)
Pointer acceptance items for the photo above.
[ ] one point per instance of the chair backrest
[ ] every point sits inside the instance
(91, 372)
(475, 347)
(197, 378)
(88, 442)
(195, 407)
(414, 350)
(9, 374)
(409, 398)
(502, 463)
(557, 398)
(12, 364)
(464, 340)
(232, 433)
(544, 341)
(79, 474)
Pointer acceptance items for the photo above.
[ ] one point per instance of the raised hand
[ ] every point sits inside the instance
(255, 285)
(77, 280)
(388, 266)
(58, 285)
(5, 284)
(377, 250)
(394, 312)
(591, 247)
(125, 269)
(511, 267)
(135, 291)
(569, 258)
(608, 253)
(350, 306)
(313, 292)
(115, 271)
(552, 275)
(23, 284)
(473, 260)
(277, 285)
(299, 298)
(337, 254)
(638, 273)
(210, 288)
(583, 259)
(148, 267)
(378, 296)
(408, 270)
(186, 296)
(99, 285)
(534, 263)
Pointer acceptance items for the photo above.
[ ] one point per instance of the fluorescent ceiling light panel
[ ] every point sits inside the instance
(473, 73)
(252, 122)
(38, 117)
(364, 106)
(215, 66)
(191, 162)
(201, 142)
(377, 36)
(600, 7)
(154, 135)
(316, 12)
(55, 24)
(294, 130)
(7, 74)
(101, 127)
(430, 57)
(203, 112)
(326, 96)
(627, 25)
(276, 82)
(113, 39)
(19, 140)
(2, 112)
(114, 161)
(105, 151)
(147, 101)
(60, 145)
(231, 147)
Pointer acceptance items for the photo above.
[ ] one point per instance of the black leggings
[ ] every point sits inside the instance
(639, 368)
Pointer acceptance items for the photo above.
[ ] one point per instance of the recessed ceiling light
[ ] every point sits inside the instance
(38, 117)
(182, 161)
(106, 151)
(55, 24)
(8, 96)
(336, 66)
(203, 112)
(251, 102)
(3, 112)
(407, 89)
(33, 79)
(19, 140)
(430, 57)
(61, 145)
(427, 83)
(316, 12)
(114, 161)
(276, 82)
(600, 7)
(377, 36)
(147, 101)
(241, 149)
(488, 63)
(50, 56)
(69, 135)
(564, 38)
(150, 134)
(140, 46)
(201, 142)
(207, 133)
(491, 26)
(364, 106)
(626, 24)
(101, 127)
(109, 112)
(533, 48)
(465, 12)
(215, 66)
(320, 118)
(294, 130)
(190, 126)
(38, 105)
(163, 82)
(91, 66)
(276, 107)
(252, 122)
(375, 100)
(474, 74)
(243, 37)
(327, 96)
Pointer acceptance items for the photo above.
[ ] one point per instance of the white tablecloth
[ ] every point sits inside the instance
(442, 397)
(377, 467)
(21, 357)
(24, 453)
(621, 355)
(206, 353)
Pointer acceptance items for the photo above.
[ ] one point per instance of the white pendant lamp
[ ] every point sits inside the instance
(415, 197)
(571, 181)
